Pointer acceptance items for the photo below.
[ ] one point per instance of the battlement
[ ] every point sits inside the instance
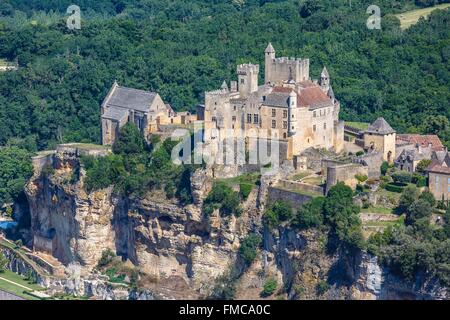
(244, 69)
(289, 60)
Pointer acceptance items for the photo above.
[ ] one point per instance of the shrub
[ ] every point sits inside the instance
(428, 197)
(269, 287)
(423, 165)
(359, 153)
(245, 189)
(278, 212)
(402, 177)
(361, 177)
(322, 287)
(222, 197)
(107, 257)
(394, 187)
(310, 215)
(409, 195)
(384, 168)
(421, 182)
(249, 247)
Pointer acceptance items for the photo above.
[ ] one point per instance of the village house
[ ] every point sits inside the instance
(439, 175)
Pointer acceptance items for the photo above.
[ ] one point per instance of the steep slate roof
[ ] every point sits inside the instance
(415, 155)
(115, 113)
(425, 141)
(278, 99)
(325, 73)
(331, 93)
(440, 162)
(269, 48)
(130, 98)
(380, 126)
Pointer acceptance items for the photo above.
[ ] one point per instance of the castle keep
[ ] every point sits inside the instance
(289, 105)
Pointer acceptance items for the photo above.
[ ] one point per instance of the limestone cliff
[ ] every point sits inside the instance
(180, 253)
(175, 246)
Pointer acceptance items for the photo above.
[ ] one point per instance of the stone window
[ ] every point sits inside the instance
(274, 112)
(234, 108)
(242, 81)
(314, 114)
(249, 118)
(214, 119)
(233, 118)
(274, 124)
(324, 126)
(255, 118)
(285, 124)
(314, 128)
(285, 114)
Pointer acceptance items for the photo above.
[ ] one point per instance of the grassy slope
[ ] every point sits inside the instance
(15, 289)
(409, 18)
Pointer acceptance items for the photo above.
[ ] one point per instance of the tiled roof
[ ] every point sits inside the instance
(432, 141)
(312, 97)
(438, 169)
(380, 126)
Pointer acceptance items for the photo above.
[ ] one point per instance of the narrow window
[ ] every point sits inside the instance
(285, 114)
(249, 118)
(255, 118)
(274, 112)
(274, 124)
(314, 128)
(285, 124)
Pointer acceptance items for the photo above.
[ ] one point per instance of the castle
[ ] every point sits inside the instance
(302, 113)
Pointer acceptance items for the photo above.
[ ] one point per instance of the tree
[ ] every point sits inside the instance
(420, 209)
(15, 170)
(343, 215)
(409, 195)
(278, 212)
(249, 247)
(428, 197)
(436, 124)
(423, 165)
(310, 215)
(130, 141)
(384, 168)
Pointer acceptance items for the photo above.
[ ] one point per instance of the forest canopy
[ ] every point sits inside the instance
(183, 48)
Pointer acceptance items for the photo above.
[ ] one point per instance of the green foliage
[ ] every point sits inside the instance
(394, 187)
(64, 76)
(310, 215)
(278, 212)
(384, 168)
(343, 215)
(359, 153)
(420, 210)
(136, 168)
(402, 177)
(249, 247)
(421, 181)
(245, 189)
(107, 257)
(222, 197)
(361, 177)
(409, 195)
(130, 141)
(269, 288)
(422, 165)
(15, 170)
(322, 287)
(428, 197)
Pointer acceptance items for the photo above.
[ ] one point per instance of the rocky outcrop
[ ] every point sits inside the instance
(165, 240)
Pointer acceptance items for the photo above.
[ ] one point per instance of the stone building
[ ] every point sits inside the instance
(381, 137)
(439, 175)
(143, 108)
(297, 111)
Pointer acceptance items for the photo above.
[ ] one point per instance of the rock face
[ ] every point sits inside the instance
(183, 252)
(174, 245)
